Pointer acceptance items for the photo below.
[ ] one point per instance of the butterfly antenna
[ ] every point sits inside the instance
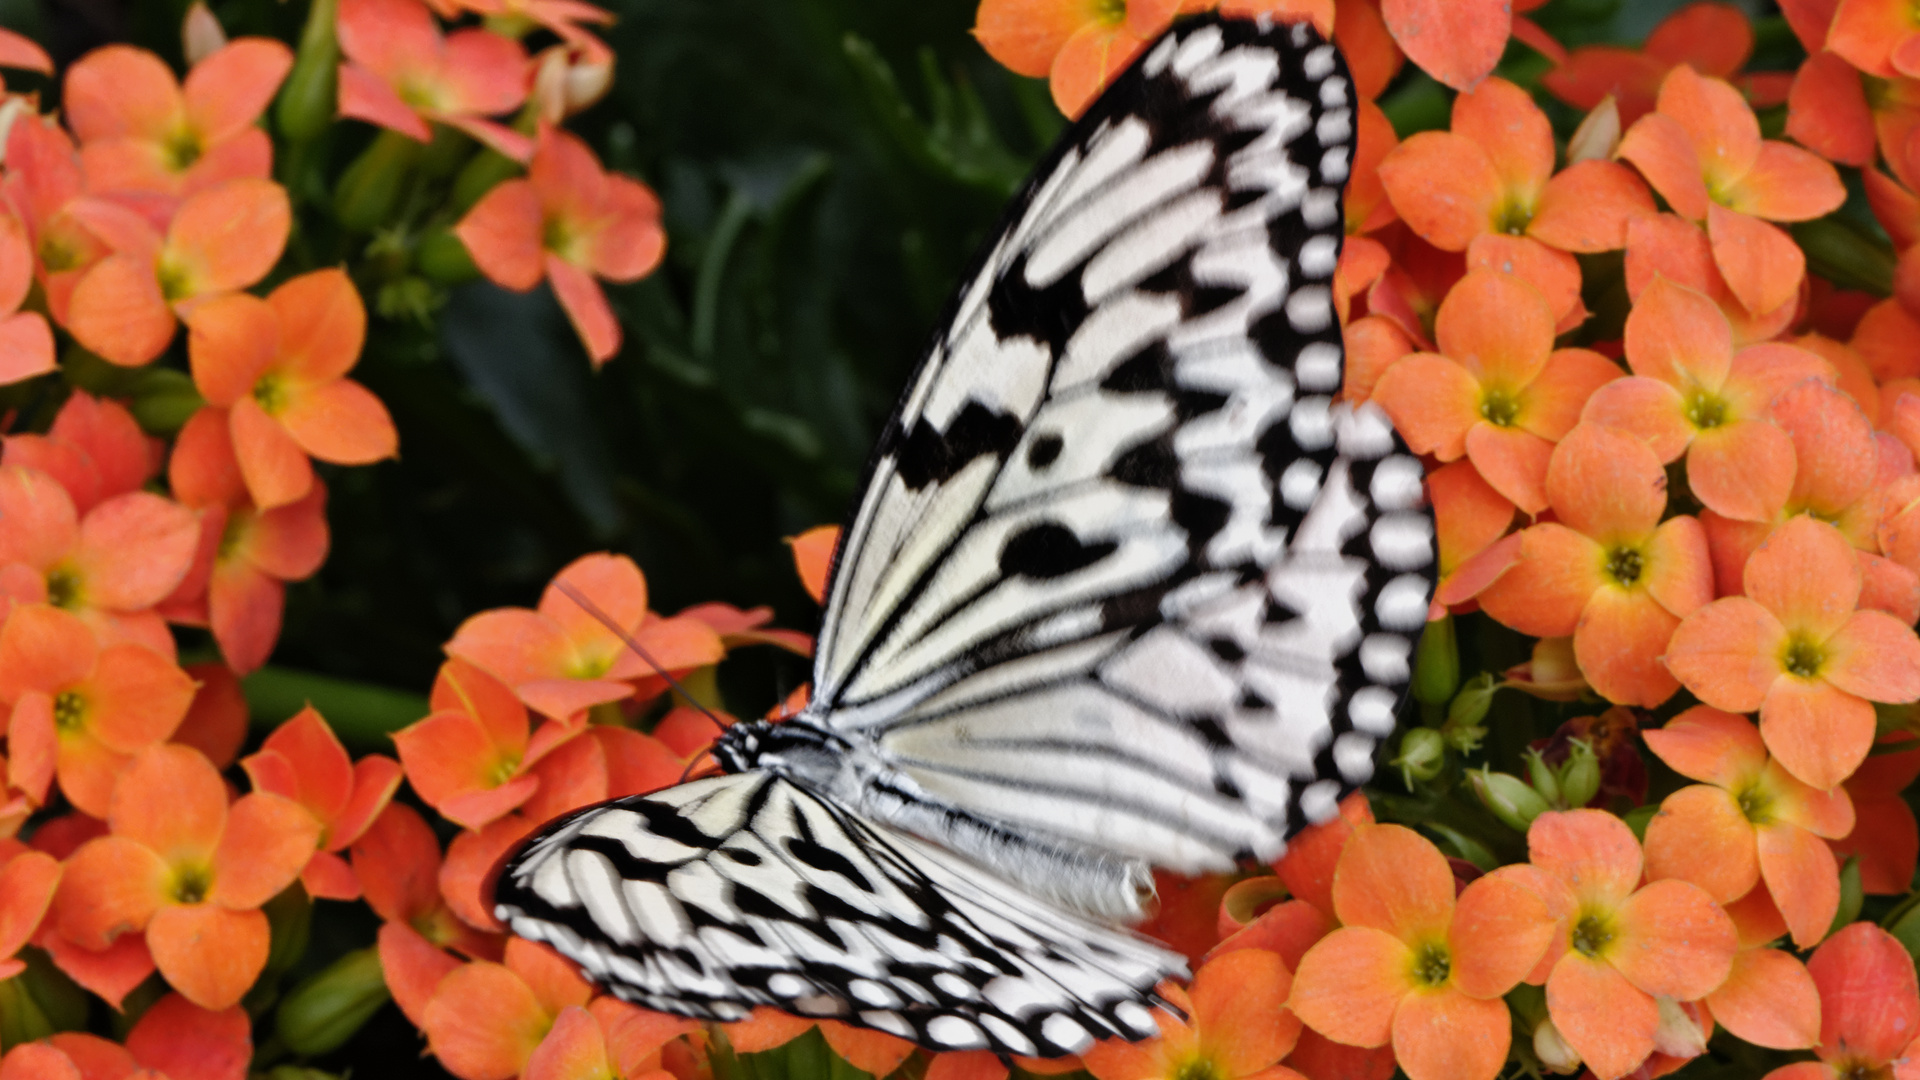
(606, 620)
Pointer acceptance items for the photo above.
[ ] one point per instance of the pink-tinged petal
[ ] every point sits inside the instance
(1444, 187)
(1547, 589)
(1660, 148)
(1868, 999)
(1608, 1022)
(632, 243)
(364, 97)
(1707, 744)
(111, 973)
(1874, 656)
(586, 307)
(1886, 840)
(1814, 731)
(503, 234)
(1742, 470)
(1701, 835)
(1593, 852)
(1432, 401)
(484, 73)
(1586, 207)
(183, 1041)
(413, 967)
(244, 607)
(1769, 1000)
(1650, 411)
(1761, 263)
(120, 90)
(1804, 879)
(26, 347)
(1513, 462)
(133, 550)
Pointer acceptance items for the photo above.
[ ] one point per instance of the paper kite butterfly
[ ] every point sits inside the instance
(1127, 588)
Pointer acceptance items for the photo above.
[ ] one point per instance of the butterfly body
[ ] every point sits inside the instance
(1127, 588)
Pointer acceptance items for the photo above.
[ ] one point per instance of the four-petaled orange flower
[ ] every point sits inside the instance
(1880, 37)
(1077, 45)
(95, 449)
(1795, 648)
(222, 239)
(402, 73)
(1691, 394)
(1869, 1009)
(561, 660)
(570, 221)
(1749, 820)
(472, 758)
(141, 130)
(1624, 945)
(1609, 572)
(1714, 39)
(187, 870)
(278, 367)
(1412, 965)
(303, 761)
(606, 1039)
(1237, 1026)
(1703, 152)
(1498, 392)
(1488, 188)
(81, 711)
(485, 1019)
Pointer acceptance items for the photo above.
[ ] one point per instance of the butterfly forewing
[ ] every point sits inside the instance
(1124, 571)
(713, 897)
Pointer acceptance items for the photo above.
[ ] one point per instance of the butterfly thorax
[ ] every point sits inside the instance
(793, 748)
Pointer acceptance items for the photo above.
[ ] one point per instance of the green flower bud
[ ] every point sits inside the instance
(1580, 776)
(1852, 895)
(1436, 664)
(1552, 1050)
(164, 399)
(324, 1011)
(1509, 797)
(1423, 753)
(443, 259)
(308, 97)
(1541, 776)
(374, 184)
(1463, 728)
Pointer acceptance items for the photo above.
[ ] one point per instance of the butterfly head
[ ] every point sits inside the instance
(789, 746)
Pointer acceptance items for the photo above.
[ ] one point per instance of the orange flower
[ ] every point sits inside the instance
(1703, 152)
(1869, 1008)
(1237, 1026)
(188, 871)
(1499, 392)
(1077, 45)
(173, 1038)
(26, 342)
(604, 1040)
(397, 862)
(1768, 999)
(1666, 245)
(561, 660)
(278, 367)
(1487, 188)
(1412, 965)
(870, 1051)
(485, 1020)
(303, 761)
(45, 186)
(1691, 393)
(813, 558)
(1880, 37)
(1830, 112)
(569, 221)
(246, 556)
(1622, 946)
(223, 239)
(1714, 39)
(563, 17)
(140, 130)
(1885, 837)
(81, 711)
(1470, 518)
(95, 449)
(401, 73)
(472, 759)
(27, 882)
(1456, 41)
(1748, 821)
(1796, 649)
(1608, 572)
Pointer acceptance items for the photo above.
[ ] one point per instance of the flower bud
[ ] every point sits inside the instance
(1541, 776)
(570, 78)
(1423, 753)
(1509, 797)
(1552, 1050)
(1469, 707)
(443, 258)
(1580, 776)
(324, 1011)
(1852, 895)
(1598, 135)
(1552, 674)
(1679, 1034)
(308, 97)
(1436, 664)
(200, 33)
(371, 187)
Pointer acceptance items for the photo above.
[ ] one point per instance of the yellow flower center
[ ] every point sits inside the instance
(1110, 12)
(1625, 565)
(1592, 934)
(181, 149)
(1706, 411)
(63, 589)
(1858, 1069)
(176, 282)
(69, 711)
(591, 667)
(271, 393)
(1803, 658)
(1499, 407)
(231, 536)
(1512, 218)
(58, 253)
(1755, 803)
(1199, 1068)
(191, 884)
(503, 771)
(1431, 965)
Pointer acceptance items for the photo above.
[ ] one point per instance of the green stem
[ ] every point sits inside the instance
(713, 272)
(363, 715)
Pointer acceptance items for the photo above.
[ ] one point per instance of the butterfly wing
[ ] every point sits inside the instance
(715, 896)
(1124, 571)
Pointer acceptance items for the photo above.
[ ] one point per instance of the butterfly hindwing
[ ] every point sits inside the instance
(1124, 571)
(713, 897)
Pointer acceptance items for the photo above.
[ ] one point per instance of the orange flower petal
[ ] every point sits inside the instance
(1865, 33)
(483, 1023)
(275, 467)
(1678, 566)
(1833, 444)
(27, 885)
(586, 307)
(1552, 271)
(1619, 641)
(1806, 575)
(1761, 263)
(1593, 852)
(1513, 462)
(1661, 149)
(503, 234)
(230, 341)
(1444, 186)
(1768, 1000)
(172, 801)
(1874, 656)
(340, 422)
(1606, 1020)
(1787, 184)
(1446, 1033)
(1700, 835)
(1587, 206)
(1650, 411)
(1804, 879)
(1547, 589)
(1500, 930)
(1498, 327)
(1606, 484)
(136, 698)
(120, 90)
(228, 236)
(1554, 401)
(134, 549)
(209, 953)
(177, 1038)
(1868, 1002)
(117, 311)
(1391, 878)
(1456, 41)
(1350, 983)
(1728, 653)
(43, 648)
(616, 586)
(111, 886)
(1817, 733)
(1717, 120)
(1742, 471)
(1707, 744)
(1432, 401)
(412, 967)
(1830, 814)
(267, 842)
(574, 1047)
(1088, 60)
(227, 91)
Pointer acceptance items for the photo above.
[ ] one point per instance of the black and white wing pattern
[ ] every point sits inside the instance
(1127, 587)
(1124, 573)
(715, 896)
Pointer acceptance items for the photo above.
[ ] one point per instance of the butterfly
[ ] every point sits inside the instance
(1127, 588)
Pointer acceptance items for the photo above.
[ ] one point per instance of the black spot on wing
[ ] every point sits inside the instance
(1045, 451)
(929, 456)
(1050, 550)
(823, 858)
